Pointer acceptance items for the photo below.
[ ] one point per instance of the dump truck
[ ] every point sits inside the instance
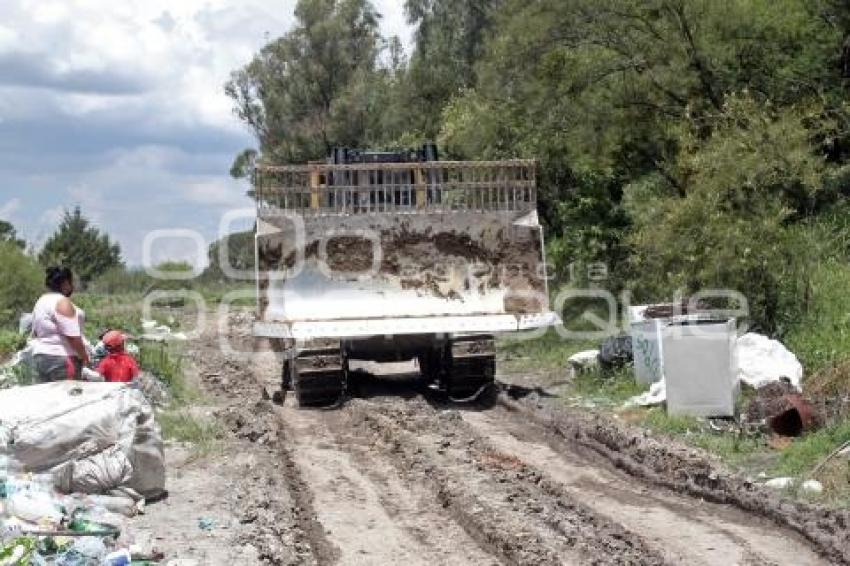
(396, 256)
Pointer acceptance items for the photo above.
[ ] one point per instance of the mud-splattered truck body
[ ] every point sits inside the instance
(393, 257)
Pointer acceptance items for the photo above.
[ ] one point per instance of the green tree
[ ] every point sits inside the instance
(21, 282)
(450, 38)
(82, 247)
(600, 89)
(722, 222)
(240, 253)
(10, 235)
(308, 91)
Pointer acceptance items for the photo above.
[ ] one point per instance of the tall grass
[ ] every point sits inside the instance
(822, 337)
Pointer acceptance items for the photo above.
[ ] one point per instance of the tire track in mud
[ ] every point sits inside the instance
(306, 517)
(273, 499)
(408, 479)
(505, 505)
(685, 530)
(359, 510)
(685, 471)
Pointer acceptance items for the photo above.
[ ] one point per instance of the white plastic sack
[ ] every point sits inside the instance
(656, 395)
(583, 360)
(96, 474)
(762, 361)
(50, 426)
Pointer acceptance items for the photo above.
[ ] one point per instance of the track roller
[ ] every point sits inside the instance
(318, 374)
(472, 366)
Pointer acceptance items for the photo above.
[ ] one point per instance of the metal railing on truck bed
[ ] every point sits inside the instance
(362, 188)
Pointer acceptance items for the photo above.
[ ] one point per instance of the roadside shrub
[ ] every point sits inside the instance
(10, 342)
(119, 280)
(21, 283)
(728, 218)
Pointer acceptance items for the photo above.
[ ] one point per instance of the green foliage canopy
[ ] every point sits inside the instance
(80, 246)
(21, 283)
(10, 235)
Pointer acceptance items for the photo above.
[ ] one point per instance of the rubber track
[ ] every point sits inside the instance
(319, 378)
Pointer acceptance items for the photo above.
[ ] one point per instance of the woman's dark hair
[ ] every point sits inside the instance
(56, 276)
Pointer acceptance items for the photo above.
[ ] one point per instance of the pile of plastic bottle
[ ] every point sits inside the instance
(41, 527)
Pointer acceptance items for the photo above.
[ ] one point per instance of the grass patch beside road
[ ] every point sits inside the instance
(179, 424)
(549, 351)
(822, 337)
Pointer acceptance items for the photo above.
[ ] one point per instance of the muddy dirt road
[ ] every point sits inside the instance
(397, 475)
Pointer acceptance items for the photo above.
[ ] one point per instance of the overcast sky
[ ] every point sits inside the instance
(118, 106)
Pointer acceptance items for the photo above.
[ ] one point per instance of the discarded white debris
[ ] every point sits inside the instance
(93, 437)
(646, 350)
(35, 507)
(160, 332)
(25, 323)
(813, 487)
(762, 361)
(19, 370)
(583, 361)
(656, 395)
(699, 367)
(89, 374)
(780, 483)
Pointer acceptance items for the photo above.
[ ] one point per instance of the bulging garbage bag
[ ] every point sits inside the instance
(92, 435)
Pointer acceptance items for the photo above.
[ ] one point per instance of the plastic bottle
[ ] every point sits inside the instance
(118, 558)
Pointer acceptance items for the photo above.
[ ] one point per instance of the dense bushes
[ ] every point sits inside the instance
(722, 219)
(21, 283)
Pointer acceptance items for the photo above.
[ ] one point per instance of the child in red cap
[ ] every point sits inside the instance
(118, 366)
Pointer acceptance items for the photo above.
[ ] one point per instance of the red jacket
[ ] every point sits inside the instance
(118, 367)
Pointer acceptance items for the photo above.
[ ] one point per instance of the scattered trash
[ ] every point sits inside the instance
(25, 323)
(699, 367)
(762, 361)
(647, 353)
(40, 526)
(812, 486)
(615, 352)
(35, 506)
(780, 483)
(206, 524)
(778, 407)
(583, 361)
(118, 558)
(656, 395)
(154, 390)
(20, 370)
(90, 436)
(796, 417)
(160, 332)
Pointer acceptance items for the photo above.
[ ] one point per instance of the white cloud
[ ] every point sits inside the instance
(220, 192)
(119, 107)
(7, 211)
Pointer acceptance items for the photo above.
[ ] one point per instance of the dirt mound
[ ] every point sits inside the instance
(255, 423)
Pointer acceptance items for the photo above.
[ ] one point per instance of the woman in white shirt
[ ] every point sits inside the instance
(59, 351)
